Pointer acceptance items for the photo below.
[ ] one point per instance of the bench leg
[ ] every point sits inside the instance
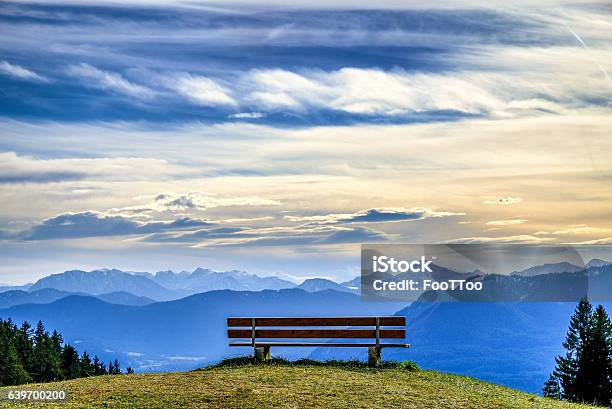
(374, 359)
(262, 354)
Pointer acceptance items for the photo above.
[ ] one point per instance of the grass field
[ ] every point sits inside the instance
(284, 385)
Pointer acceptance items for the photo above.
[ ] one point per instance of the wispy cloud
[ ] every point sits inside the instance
(522, 238)
(379, 215)
(109, 81)
(27, 169)
(583, 230)
(510, 222)
(201, 90)
(247, 115)
(20, 72)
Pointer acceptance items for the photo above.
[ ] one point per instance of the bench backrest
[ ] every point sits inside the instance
(268, 327)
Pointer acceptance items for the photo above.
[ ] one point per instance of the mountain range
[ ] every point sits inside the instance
(48, 295)
(562, 267)
(161, 286)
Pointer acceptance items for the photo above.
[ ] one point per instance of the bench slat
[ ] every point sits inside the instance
(316, 333)
(315, 344)
(315, 321)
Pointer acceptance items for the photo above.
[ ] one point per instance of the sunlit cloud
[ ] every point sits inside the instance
(510, 222)
(521, 238)
(583, 230)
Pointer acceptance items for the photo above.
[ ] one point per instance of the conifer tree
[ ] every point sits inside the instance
(583, 373)
(552, 388)
(24, 345)
(27, 355)
(12, 371)
(46, 358)
(600, 373)
(57, 340)
(87, 368)
(70, 362)
(116, 368)
(98, 367)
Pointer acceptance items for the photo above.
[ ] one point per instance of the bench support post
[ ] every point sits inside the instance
(374, 359)
(262, 354)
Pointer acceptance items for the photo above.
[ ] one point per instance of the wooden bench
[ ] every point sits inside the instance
(259, 331)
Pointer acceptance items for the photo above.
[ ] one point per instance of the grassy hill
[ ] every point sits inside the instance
(291, 386)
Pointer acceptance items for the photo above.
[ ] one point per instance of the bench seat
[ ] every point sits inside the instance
(316, 344)
(255, 332)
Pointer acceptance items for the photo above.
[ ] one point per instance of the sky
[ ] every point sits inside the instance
(149, 135)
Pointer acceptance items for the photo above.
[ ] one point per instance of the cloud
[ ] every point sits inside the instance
(300, 236)
(202, 90)
(367, 91)
(578, 230)
(522, 238)
(450, 62)
(109, 81)
(198, 236)
(504, 200)
(372, 91)
(27, 169)
(98, 224)
(377, 215)
(20, 72)
(278, 88)
(247, 115)
(203, 201)
(511, 222)
(596, 242)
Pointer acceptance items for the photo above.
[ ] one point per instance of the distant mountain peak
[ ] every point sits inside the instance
(103, 281)
(597, 262)
(322, 284)
(549, 268)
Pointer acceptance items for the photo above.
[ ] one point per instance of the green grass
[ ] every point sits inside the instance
(281, 384)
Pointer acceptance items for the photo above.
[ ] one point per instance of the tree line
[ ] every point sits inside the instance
(584, 372)
(34, 355)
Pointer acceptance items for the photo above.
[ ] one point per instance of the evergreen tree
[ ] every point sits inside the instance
(27, 355)
(583, 374)
(552, 387)
(600, 373)
(87, 368)
(24, 345)
(71, 365)
(116, 368)
(12, 371)
(57, 340)
(46, 358)
(129, 370)
(98, 366)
